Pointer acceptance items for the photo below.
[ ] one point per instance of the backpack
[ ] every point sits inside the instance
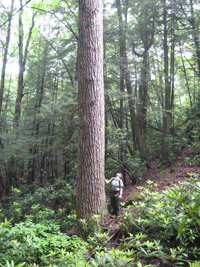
(115, 187)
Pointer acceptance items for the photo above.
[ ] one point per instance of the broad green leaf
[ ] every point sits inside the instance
(180, 230)
(196, 207)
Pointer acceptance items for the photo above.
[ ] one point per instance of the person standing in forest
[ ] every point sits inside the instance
(116, 190)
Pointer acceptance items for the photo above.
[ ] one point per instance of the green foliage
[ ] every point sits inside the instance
(135, 197)
(45, 147)
(113, 258)
(194, 264)
(169, 219)
(40, 243)
(4, 229)
(167, 229)
(56, 195)
(55, 202)
(12, 264)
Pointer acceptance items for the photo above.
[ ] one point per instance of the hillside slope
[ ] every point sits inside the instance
(171, 173)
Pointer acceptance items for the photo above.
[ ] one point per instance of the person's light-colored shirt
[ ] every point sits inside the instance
(116, 182)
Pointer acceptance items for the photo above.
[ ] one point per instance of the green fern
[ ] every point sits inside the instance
(194, 264)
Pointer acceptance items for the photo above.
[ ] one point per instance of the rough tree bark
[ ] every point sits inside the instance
(90, 175)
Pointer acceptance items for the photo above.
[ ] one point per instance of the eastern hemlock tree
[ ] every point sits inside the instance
(90, 174)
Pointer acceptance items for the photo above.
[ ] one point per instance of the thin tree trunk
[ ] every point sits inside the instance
(22, 63)
(137, 138)
(172, 66)
(122, 71)
(167, 85)
(36, 125)
(185, 74)
(3, 73)
(147, 38)
(195, 34)
(110, 108)
(143, 95)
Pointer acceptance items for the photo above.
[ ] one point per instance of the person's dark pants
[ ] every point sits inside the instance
(115, 204)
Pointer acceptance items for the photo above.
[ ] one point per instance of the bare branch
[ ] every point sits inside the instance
(15, 13)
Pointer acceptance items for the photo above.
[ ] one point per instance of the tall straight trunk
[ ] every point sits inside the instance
(137, 138)
(185, 74)
(90, 199)
(44, 164)
(53, 154)
(122, 71)
(7, 96)
(122, 49)
(146, 23)
(22, 63)
(21, 73)
(142, 111)
(195, 34)
(33, 150)
(172, 73)
(36, 124)
(167, 84)
(105, 85)
(3, 73)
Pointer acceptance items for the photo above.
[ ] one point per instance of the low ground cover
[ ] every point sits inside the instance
(158, 226)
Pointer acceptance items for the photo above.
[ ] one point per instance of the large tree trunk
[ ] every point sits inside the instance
(90, 176)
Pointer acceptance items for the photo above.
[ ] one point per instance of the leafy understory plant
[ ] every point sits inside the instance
(194, 264)
(166, 229)
(12, 264)
(42, 244)
(4, 229)
(113, 258)
(168, 223)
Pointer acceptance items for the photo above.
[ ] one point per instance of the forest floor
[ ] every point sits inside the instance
(170, 174)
